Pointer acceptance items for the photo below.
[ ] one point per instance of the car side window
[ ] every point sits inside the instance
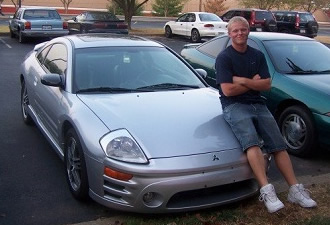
(18, 14)
(214, 47)
(42, 55)
(56, 59)
(228, 15)
(182, 18)
(253, 44)
(191, 18)
(80, 17)
(250, 42)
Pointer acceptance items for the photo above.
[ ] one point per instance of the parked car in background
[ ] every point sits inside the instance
(300, 93)
(137, 127)
(259, 20)
(196, 25)
(37, 22)
(295, 22)
(97, 22)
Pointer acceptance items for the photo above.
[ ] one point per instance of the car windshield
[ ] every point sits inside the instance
(299, 57)
(41, 14)
(131, 69)
(102, 16)
(209, 17)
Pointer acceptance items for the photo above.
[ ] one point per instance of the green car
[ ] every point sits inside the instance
(300, 95)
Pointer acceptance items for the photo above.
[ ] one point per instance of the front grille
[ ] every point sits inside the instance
(214, 195)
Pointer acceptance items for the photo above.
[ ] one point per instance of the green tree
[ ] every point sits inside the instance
(168, 7)
(129, 7)
(215, 6)
(116, 10)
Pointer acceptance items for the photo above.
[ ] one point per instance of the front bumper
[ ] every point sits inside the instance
(178, 186)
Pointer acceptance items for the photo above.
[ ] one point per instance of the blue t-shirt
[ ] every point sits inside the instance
(231, 63)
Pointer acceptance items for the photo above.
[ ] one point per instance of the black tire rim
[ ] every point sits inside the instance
(73, 164)
(194, 36)
(294, 131)
(24, 102)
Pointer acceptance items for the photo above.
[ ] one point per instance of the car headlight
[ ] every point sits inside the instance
(120, 145)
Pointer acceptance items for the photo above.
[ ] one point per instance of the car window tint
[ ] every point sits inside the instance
(253, 44)
(191, 18)
(290, 17)
(213, 47)
(130, 67)
(305, 17)
(41, 14)
(56, 59)
(246, 14)
(264, 15)
(209, 17)
(183, 18)
(290, 56)
(18, 14)
(42, 55)
(279, 16)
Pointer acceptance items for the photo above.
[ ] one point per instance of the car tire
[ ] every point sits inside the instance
(312, 27)
(24, 104)
(12, 35)
(21, 38)
(271, 25)
(284, 30)
(168, 32)
(298, 130)
(195, 36)
(75, 166)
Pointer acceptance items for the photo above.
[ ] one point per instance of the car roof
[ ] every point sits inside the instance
(108, 40)
(249, 9)
(292, 11)
(264, 36)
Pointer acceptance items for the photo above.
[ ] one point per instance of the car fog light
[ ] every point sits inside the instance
(152, 199)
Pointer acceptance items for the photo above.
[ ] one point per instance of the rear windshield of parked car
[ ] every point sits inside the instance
(41, 14)
(102, 16)
(209, 17)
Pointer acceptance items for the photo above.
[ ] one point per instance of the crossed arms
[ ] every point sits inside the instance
(241, 85)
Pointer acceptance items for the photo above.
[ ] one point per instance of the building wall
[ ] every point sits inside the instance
(190, 5)
(77, 6)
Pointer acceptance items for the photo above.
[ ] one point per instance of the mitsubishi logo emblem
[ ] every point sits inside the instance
(215, 157)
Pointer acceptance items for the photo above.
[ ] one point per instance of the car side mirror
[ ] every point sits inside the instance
(202, 73)
(52, 79)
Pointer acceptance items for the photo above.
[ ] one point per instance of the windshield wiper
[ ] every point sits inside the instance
(106, 90)
(309, 72)
(171, 86)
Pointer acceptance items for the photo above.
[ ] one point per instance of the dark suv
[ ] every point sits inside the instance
(259, 20)
(302, 23)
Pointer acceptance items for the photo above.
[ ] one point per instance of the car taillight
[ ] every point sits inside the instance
(100, 25)
(122, 26)
(65, 25)
(208, 25)
(253, 18)
(27, 25)
(297, 21)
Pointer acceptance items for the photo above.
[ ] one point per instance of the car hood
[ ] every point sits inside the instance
(321, 82)
(167, 123)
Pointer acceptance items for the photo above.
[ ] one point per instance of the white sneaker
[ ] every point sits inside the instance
(268, 196)
(299, 195)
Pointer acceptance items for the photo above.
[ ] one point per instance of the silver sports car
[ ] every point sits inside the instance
(138, 129)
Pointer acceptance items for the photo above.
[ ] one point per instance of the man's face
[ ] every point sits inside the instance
(239, 32)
